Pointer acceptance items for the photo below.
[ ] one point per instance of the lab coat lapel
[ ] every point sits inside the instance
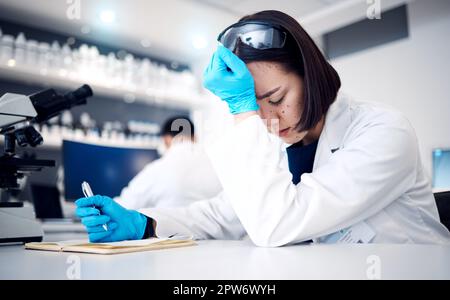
(337, 122)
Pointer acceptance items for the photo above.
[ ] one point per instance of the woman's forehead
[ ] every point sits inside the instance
(267, 75)
(265, 66)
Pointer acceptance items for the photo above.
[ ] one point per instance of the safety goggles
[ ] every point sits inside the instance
(256, 34)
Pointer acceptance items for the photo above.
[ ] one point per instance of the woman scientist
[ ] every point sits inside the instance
(352, 172)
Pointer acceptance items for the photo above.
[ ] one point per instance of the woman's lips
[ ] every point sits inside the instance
(284, 132)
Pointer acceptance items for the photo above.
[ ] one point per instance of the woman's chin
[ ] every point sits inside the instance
(293, 138)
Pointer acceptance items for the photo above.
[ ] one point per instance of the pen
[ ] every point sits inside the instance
(87, 191)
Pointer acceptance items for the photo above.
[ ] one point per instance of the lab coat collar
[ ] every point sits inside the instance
(337, 121)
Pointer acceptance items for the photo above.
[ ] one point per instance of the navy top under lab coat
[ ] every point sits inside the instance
(301, 159)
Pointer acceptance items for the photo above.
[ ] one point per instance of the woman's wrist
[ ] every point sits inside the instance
(150, 229)
(140, 222)
(153, 224)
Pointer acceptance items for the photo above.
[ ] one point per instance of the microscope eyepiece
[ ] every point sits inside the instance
(79, 96)
(49, 104)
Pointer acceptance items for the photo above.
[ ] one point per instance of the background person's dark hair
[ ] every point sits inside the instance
(300, 55)
(178, 125)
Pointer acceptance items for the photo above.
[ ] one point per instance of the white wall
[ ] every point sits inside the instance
(412, 75)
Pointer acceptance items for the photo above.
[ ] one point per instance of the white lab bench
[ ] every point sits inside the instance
(233, 260)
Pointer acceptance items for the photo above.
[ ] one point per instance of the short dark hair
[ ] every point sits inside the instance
(302, 56)
(178, 125)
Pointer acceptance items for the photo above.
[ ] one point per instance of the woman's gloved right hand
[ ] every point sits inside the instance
(122, 224)
(228, 77)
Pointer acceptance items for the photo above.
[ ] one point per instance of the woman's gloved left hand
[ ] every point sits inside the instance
(228, 77)
(122, 224)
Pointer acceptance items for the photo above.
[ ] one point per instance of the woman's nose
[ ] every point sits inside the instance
(271, 119)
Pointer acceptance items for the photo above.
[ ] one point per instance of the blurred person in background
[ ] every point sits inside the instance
(180, 177)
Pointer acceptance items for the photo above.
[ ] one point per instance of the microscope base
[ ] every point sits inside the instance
(19, 225)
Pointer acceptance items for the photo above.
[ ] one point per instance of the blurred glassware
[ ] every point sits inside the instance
(66, 55)
(67, 119)
(6, 48)
(44, 56)
(146, 79)
(57, 61)
(31, 53)
(20, 49)
(86, 121)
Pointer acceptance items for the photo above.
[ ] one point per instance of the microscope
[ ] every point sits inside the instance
(18, 114)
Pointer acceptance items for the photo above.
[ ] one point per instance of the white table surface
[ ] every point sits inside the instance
(231, 260)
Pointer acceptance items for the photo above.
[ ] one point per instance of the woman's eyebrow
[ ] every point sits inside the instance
(268, 94)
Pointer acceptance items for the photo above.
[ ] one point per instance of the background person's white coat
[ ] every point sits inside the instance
(367, 168)
(182, 176)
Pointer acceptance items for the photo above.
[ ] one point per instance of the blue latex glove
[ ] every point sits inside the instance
(122, 224)
(228, 77)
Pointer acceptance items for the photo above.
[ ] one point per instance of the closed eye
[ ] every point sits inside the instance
(276, 103)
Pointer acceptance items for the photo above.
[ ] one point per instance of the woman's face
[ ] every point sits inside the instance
(280, 98)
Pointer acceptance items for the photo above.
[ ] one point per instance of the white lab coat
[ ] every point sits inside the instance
(367, 170)
(182, 176)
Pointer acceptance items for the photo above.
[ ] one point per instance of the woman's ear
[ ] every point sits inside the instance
(167, 141)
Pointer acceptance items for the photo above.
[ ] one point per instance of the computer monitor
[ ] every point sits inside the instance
(441, 168)
(46, 202)
(107, 169)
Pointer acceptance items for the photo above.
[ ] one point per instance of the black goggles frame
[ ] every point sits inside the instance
(280, 29)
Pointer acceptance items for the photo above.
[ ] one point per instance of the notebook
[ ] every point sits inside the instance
(83, 246)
